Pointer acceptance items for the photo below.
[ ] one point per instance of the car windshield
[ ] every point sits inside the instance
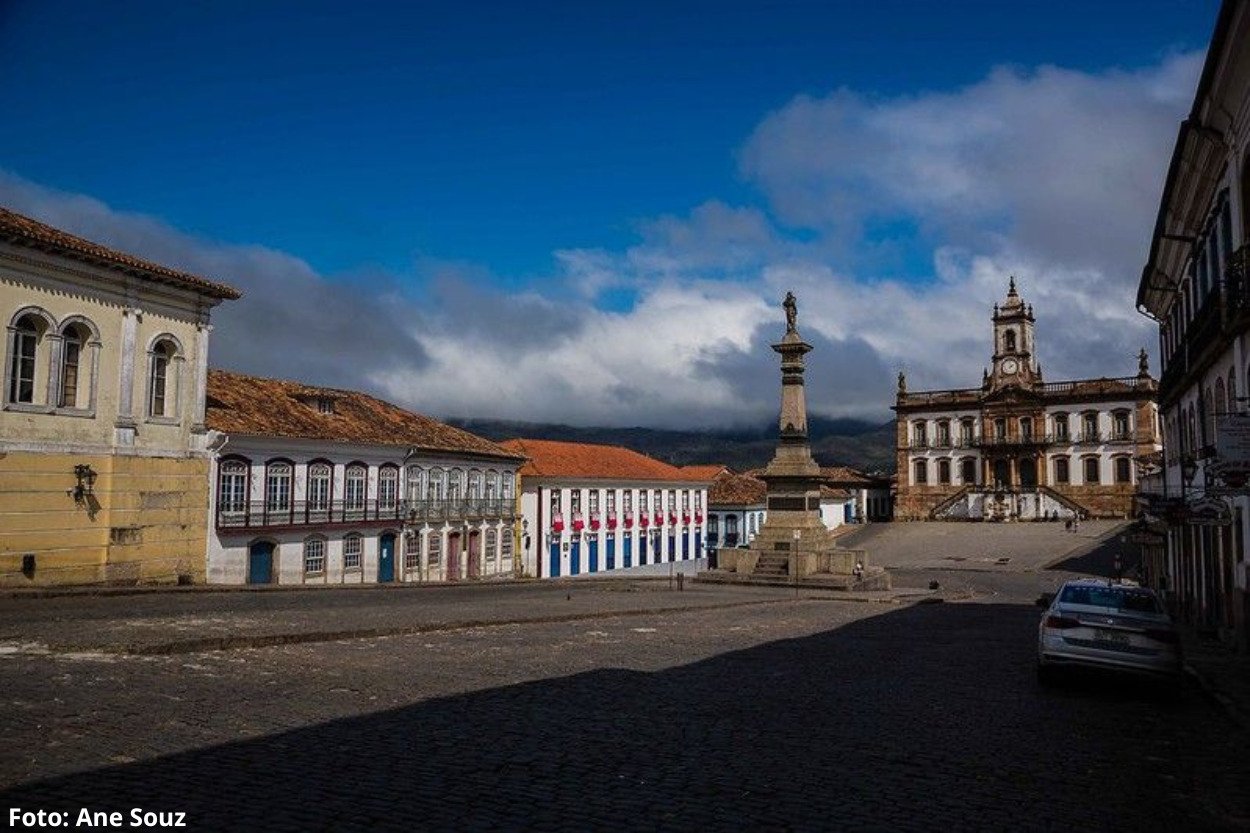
(1118, 598)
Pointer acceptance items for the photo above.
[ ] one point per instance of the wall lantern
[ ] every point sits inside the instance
(1189, 469)
(85, 477)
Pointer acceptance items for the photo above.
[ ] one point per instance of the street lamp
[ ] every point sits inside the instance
(1189, 470)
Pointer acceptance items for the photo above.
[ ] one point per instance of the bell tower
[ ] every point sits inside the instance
(1014, 360)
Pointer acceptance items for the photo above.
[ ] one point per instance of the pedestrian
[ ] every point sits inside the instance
(1067, 525)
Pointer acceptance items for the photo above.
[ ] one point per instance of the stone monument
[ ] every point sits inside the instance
(794, 545)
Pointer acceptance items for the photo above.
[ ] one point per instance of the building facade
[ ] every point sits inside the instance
(737, 505)
(103, 445)
(597, 508)
(1195, 285)
(1021, 448)
(325, 486)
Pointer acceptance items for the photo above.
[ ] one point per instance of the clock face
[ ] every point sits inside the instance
(1010, 366)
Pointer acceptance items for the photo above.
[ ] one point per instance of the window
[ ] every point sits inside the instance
(1123, 470)
(657, 502)
(943, 434)
(435, 549)
(1009, 341)
(556, 509)
(163, 378)
(492, 542)
(1119, 425)
(731, 530)
(1091, 470)
(627, 500)
(436, 484)
(388, 488)
(354, 492)
(475, 484)
(278, 487)
(314, 556)
(921, 468)
(232, 488)
(575, 501)
(505, 547)
(74, 392)
(920, 434)
(944, 471)
(966, 432)
(594, 501)
(28, 331)
(1026, 428)
(713, 527)
(319, 479)
(455, 485)
(1221, 403)
(352, 546)
(1061, 470)
(685, 500)
(325, 405)
(1233, 404)
(1000, 429)
(1208, 421)
(509, 491)
(1089, 426)
(968, 471)
(611, 501)
(492, 484)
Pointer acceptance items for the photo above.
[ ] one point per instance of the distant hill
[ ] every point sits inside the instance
(864, 445)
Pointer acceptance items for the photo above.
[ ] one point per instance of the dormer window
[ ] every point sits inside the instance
(325, 405)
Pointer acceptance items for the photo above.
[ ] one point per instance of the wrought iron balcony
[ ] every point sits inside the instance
(262, 514)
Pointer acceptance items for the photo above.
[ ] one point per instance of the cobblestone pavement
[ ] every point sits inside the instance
(796, 715)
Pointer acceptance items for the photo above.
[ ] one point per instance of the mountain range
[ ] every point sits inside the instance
(867, 446)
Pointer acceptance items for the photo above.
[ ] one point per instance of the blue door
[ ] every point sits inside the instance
(575, 558)
(594, 557)
(260, 563)
(698, 543)
(628, 554)
(642, 550)
(612, 553)
(672, 548)
(555, 560)
(386, 558)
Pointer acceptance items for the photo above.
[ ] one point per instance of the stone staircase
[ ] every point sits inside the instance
(773, 565)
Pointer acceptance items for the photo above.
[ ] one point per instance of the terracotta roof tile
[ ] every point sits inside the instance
(241, 404)
(553, 458)
(706, 471)
(844, 476)
(730, 489)
(23, 231)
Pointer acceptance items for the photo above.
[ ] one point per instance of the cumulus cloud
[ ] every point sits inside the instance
(1048, 174)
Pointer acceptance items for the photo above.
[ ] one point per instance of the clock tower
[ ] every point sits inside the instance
(1014, 362)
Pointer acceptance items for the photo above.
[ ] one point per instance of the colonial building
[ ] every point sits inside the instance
(1021, 448)
(103, 446)
(596, 508)
(318, 485)
(1195, 285)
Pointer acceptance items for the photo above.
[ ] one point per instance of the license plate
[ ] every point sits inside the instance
(1111, 637)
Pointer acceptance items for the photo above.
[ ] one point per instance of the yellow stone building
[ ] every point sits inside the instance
(103, 448)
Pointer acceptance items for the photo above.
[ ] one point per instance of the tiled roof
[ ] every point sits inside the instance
(844, 476)
(552, 458)
(731, 489)
(707, 471)
(836, 494)
(23, 231)
(241, 404)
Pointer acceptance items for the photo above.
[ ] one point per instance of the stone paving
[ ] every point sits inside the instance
(651, 710)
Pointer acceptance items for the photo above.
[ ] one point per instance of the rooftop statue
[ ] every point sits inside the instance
(792, 312)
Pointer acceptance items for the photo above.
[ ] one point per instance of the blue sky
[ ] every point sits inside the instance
(560, 159)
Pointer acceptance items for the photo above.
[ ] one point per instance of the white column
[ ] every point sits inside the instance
(124, 433)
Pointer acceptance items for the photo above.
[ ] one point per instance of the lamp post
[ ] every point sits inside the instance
(525, 546)
(1189, 470)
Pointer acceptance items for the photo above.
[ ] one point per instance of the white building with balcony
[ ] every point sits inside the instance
(597, 508)
(1195, 285)
(318, 485)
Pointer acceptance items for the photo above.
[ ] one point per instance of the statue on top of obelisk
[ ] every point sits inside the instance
(792, 312)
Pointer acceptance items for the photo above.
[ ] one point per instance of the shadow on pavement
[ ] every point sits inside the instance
(927, 717)
(1101, 559)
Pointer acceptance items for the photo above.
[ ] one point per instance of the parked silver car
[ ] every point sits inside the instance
(1105, 624)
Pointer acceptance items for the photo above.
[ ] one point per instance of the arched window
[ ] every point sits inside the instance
(1233, 404)
(492, 484)
(1221, 403)
(1208, 417)
(164, 358)
(355, 490)
(435, 485)
(353, 546)
(1062, 475)
(320, 488)
(27, 380)
(232, 491)
(921, 476)
(1009, 341)
(314, 556)
(388, 487)
(1123, 470)
(509, 490)
(77, 373)
(455, 484)
(475, 484)
(278, 486)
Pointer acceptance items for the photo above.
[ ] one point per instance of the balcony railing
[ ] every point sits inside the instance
(1223, 314)
(312, 513)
